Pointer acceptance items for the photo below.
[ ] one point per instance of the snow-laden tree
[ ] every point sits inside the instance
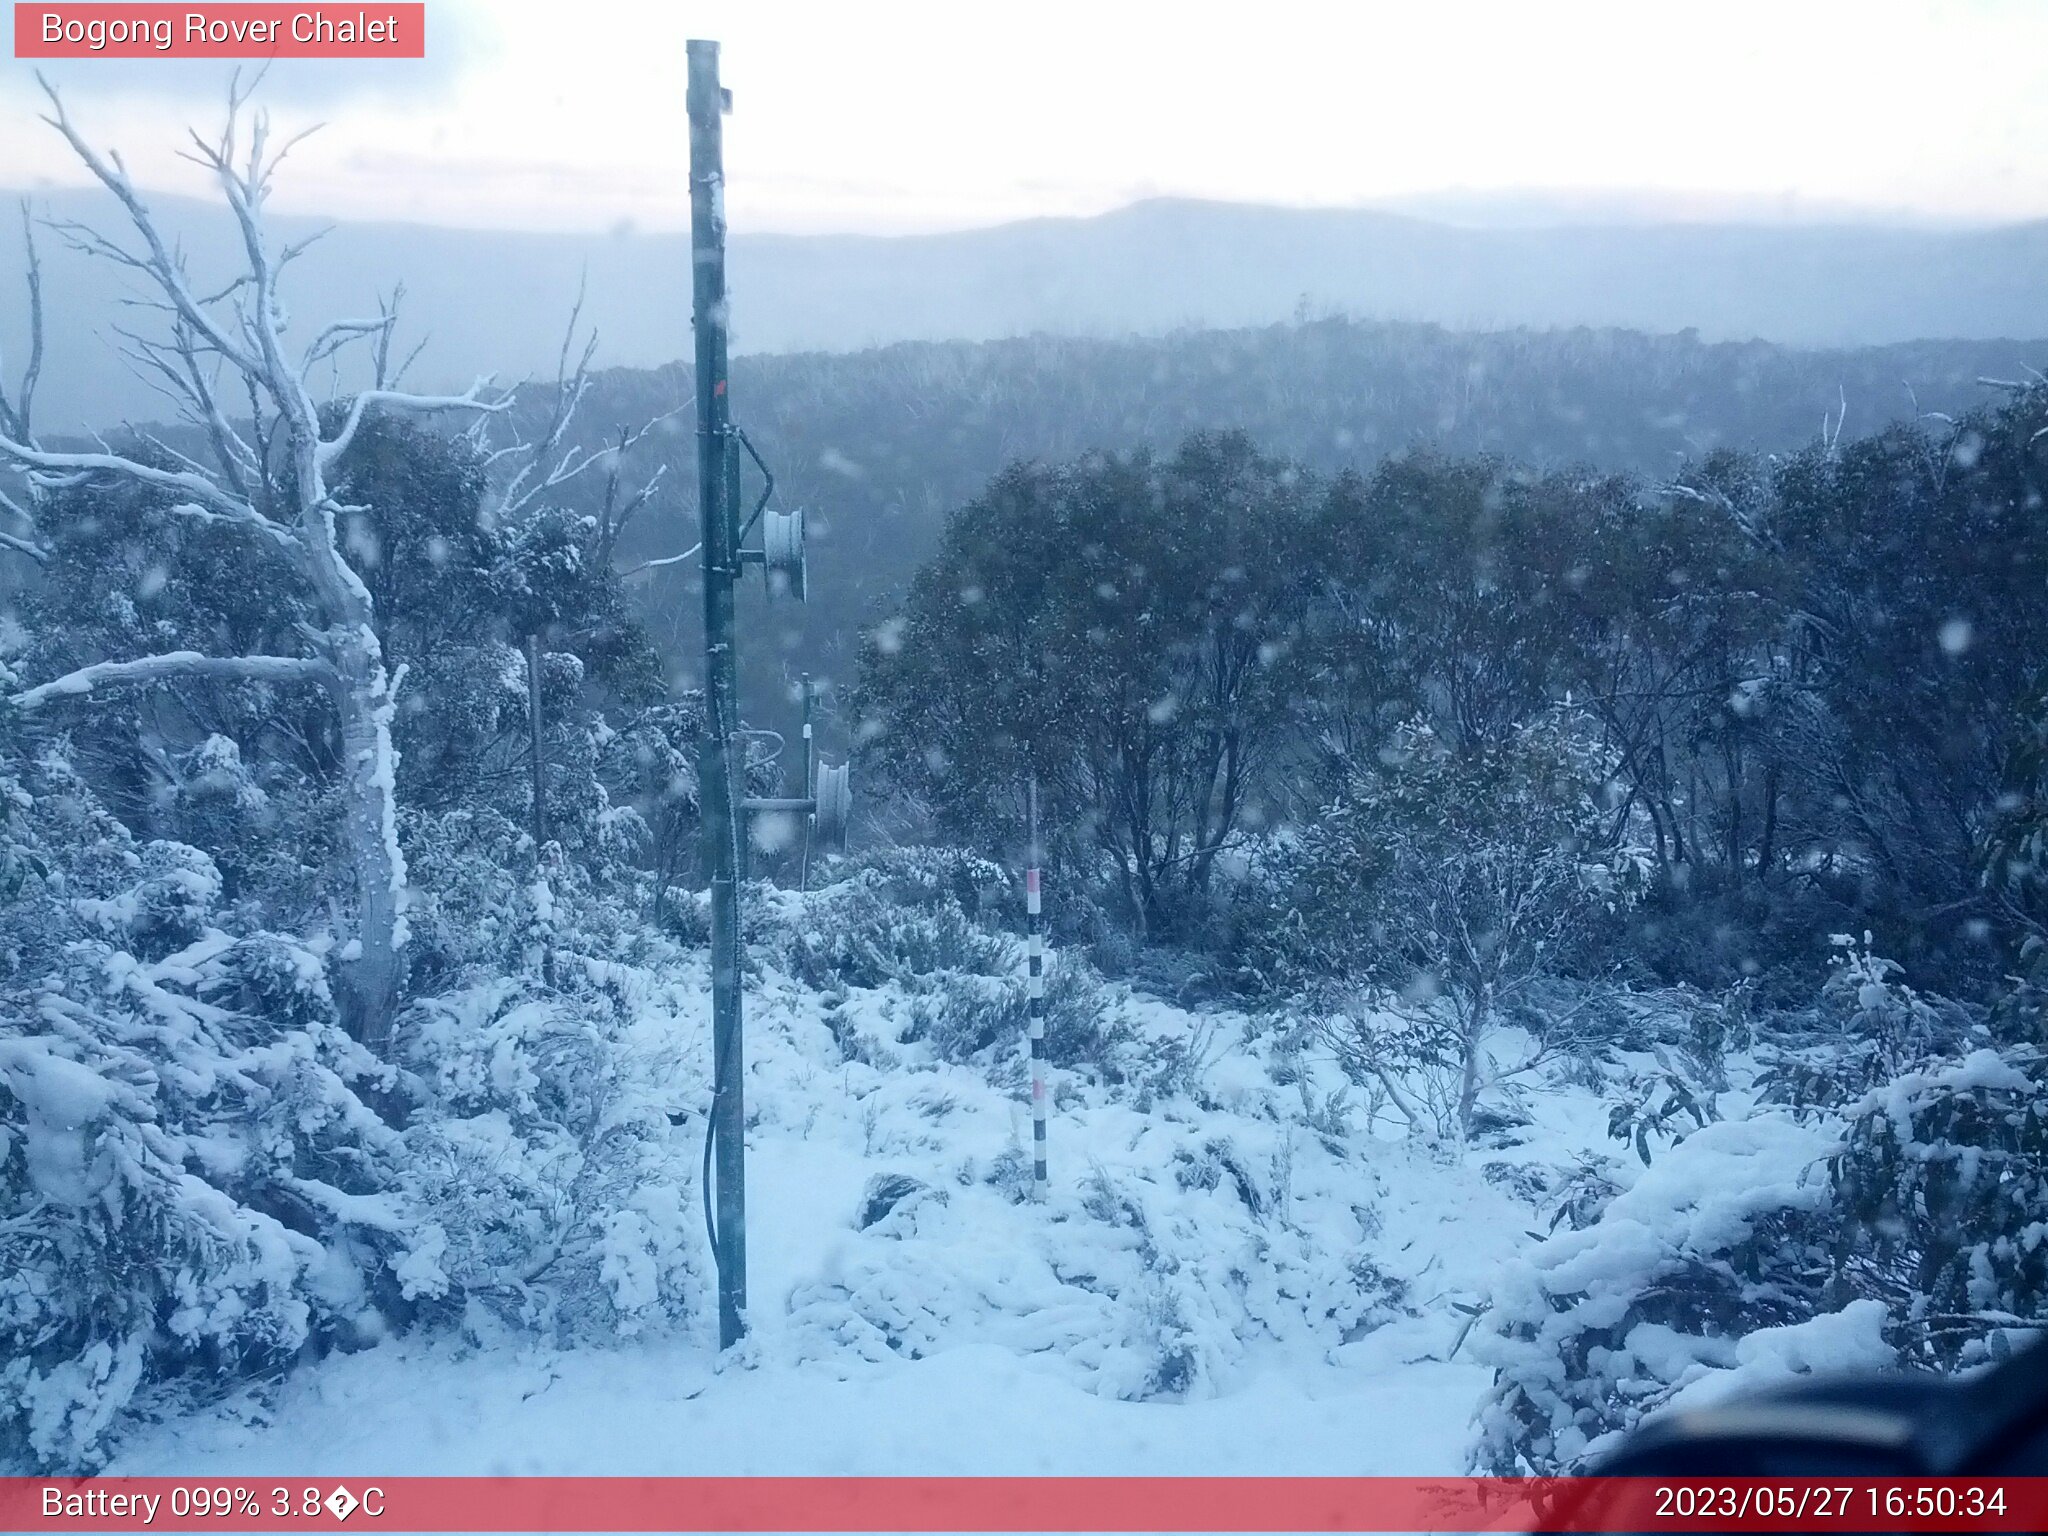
(1435, 890)
(238, 373)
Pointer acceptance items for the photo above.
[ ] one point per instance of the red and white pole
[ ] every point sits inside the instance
(1035, 995)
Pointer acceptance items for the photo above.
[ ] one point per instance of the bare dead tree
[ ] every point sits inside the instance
(222, 359)
(18, 406)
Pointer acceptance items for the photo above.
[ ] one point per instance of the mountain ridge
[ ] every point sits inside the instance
(496, 302)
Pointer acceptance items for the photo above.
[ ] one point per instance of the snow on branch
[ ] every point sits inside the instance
(471, 399)
(149, 669)
(535, 465)
(203, 496)
(654, 565)
(22, 546)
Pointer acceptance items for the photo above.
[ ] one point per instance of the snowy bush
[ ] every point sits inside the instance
(1658, 1104)
(192, 1185)
(1440, 888)
(1601, 1324)
(1910, 1227)
(488, 902)
(468, 866)
(544, 1167)
(963, 1014)
(932, 877)
(854, 933)
(1870, 1028)
(1943, 1185)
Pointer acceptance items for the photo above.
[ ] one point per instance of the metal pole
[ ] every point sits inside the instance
(533, 725)
(803, 880)
(1035, 990)
(719, 747)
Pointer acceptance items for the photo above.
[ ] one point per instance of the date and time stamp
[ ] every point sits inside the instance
(1016, 1504)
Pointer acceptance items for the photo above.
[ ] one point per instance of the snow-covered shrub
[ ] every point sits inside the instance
(1871, 1027)
(1440, 887)
(1717, 1026)
(893, 915)
(1178, 1066)
(270, 830)
(894, 1197)
(1583, 1191)
(486, 901)
(851, 933)
(1943, 1184)
(191, 1183)
(467, 868)
(1010, 1171)
(1729, 1232)
(962, 1014)
(1888, 1200)
(164, 904)
(544, 1168)
(1658, 1104)
(1162, 1277)
(929, 877)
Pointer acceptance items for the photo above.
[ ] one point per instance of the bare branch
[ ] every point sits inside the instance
(471, 400)
(381, 374)
(339, 334)
(655, 565)
(161, 264)
(175, 664)
(15, 414)
(571, 385)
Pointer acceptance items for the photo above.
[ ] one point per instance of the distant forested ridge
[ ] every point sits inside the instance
(880, 445)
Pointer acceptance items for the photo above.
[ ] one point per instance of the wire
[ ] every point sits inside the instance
(714, 699)
(704, 1187)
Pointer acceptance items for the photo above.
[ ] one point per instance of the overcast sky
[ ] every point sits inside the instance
(888, 116)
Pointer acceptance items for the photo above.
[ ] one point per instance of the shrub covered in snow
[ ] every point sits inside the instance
(897, 916)
(925, 919)
(1907, 1223)
(191, 1176)
(548, 1183)
(1444, 882)
(1158, 1281)
(202, 1175)
(1726, 1233)
(1869, 1027)
(962, 1015)
(1942, 1182)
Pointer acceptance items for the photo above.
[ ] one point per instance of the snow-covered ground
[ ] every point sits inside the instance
(412, 1409)
(1221, 1282)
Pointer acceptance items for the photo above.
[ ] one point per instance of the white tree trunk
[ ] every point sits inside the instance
(372, 970)
(1474, 1043)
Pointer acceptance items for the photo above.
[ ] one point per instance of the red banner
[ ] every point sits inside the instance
(217, 31)
(1117, 1504)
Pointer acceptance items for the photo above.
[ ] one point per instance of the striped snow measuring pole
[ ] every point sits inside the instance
(1035, 993)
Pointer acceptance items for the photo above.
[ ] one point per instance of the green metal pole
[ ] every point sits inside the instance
(810, 789)
(719, 747)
